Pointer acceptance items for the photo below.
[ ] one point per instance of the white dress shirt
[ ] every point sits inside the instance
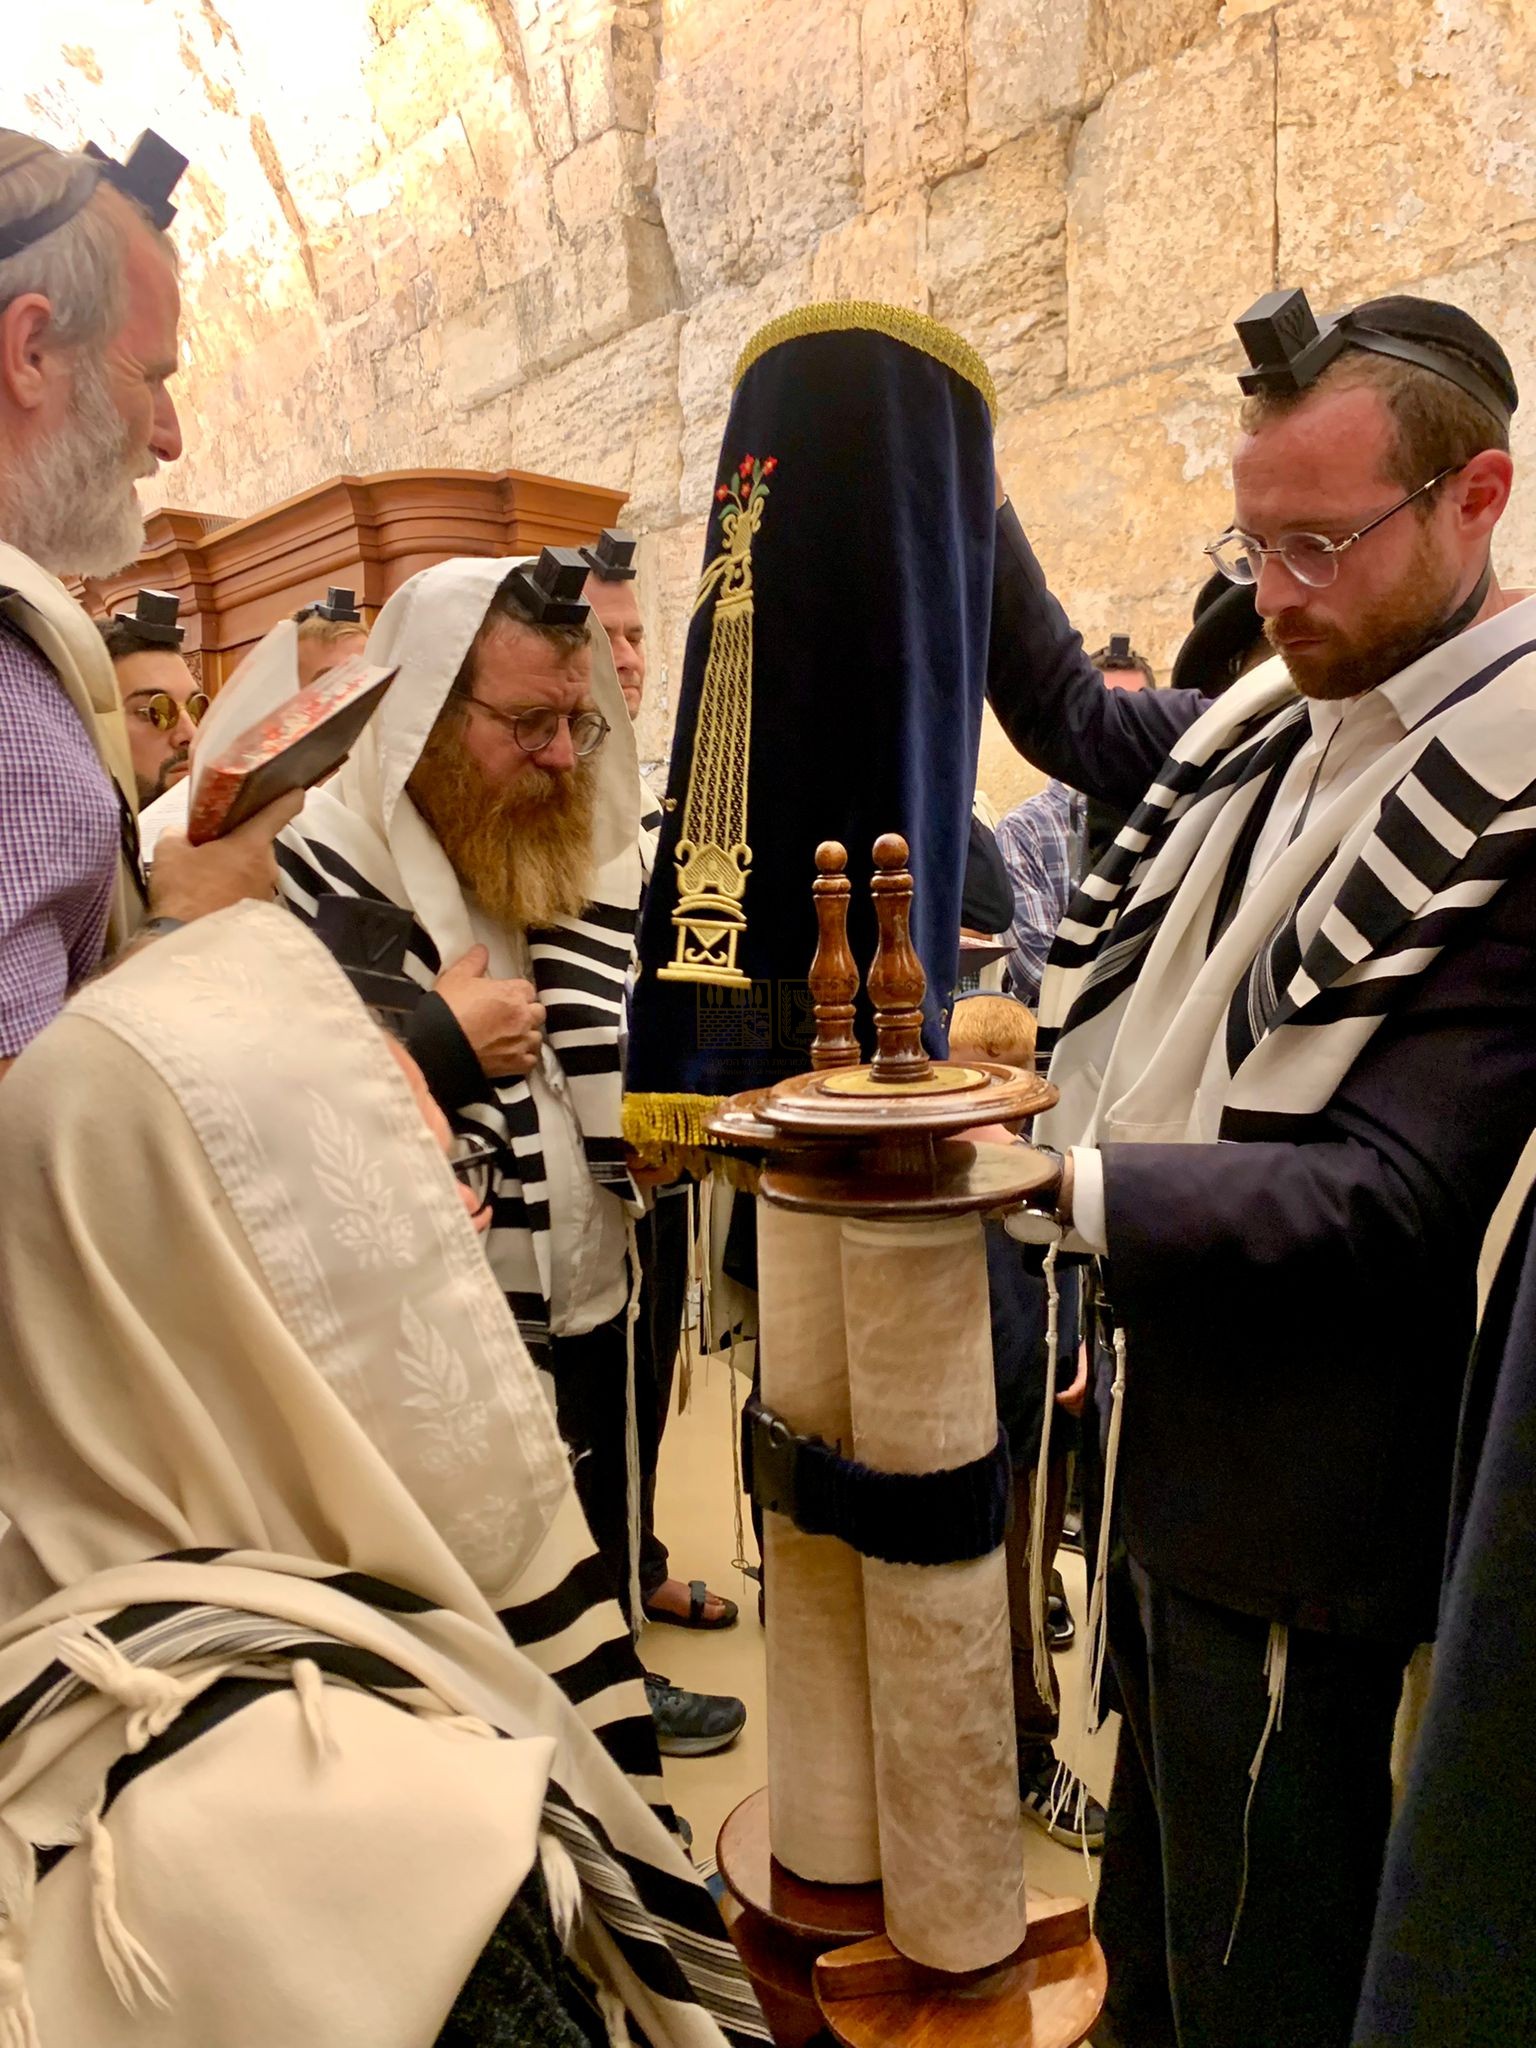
(1348, 735)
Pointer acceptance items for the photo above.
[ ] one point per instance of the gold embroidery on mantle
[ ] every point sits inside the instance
(713, 856)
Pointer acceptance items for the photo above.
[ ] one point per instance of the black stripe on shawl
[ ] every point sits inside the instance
(222, 1700)
(516, 1212)
(631, 1743)
(1478, 682)
(1370, 905)
(590, 981)
(379, 1593)
(582, 1061)
(1274, 757)
(560, 1017)
(612, 1663)
(1438, 771)
(548, 949)
(535, 1621)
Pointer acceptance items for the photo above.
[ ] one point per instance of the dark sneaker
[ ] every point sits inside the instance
(692, 1723)
(1056, 1799)
(1072, 1531)
(1060, 1628)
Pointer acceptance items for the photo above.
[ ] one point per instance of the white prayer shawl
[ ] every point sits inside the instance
(1159, 1028)
(361, 835)
(273, 1453)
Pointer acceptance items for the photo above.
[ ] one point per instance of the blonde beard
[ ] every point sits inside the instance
(525, 853)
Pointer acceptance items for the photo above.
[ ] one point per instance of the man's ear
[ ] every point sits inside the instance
(29, 365)
(1483, 490)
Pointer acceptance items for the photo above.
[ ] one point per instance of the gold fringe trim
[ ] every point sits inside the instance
(842, 316)
(658, 1125)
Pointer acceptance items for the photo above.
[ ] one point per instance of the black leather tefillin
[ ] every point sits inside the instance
(551, 589)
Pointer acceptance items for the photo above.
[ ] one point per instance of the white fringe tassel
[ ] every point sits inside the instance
(18, 2023)
(1035, 1564)
(131, 1969)
(562, 1884)
(152, 1699)
(1275, 1654)
(615, 2017)
(1098, 1618)
(632, 1431)
(309, 1684)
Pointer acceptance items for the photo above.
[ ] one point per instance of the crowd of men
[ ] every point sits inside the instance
(1289, 908)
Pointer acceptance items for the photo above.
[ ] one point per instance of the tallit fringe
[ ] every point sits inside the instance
(18, 2022)
(131, 1970)
(309, 1684)
(152, 1699)
(1035, 1561)
(1098, 1618)
(632, 1485)
(615, 2017)
(658, 1127)
(562, 1884)
(1275, 1654)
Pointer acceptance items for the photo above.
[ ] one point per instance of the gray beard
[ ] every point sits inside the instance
(71, 504)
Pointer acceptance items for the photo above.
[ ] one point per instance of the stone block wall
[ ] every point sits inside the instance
(535, 233)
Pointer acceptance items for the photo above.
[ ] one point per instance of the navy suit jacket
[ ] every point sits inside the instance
(1297, 1316)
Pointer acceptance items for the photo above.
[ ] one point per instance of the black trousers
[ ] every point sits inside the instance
(662, 1241)
(590, 1374)
(1194, 1696)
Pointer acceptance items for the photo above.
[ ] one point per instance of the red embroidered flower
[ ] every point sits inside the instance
(746, 469)
(770, 465)
(721, 495)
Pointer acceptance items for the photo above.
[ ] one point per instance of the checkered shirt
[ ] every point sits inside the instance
(1039, 842)
(58, 845)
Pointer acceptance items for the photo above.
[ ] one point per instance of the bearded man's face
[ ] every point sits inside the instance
(517, 827)
(1324, 469)
(68, 495)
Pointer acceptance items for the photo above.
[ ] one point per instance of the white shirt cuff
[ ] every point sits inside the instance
(1088, 1197)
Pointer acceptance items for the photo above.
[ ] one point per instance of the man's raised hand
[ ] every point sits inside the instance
(503, 1020)
(189, 881)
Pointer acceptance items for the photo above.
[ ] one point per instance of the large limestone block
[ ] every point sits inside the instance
(1029, 61)
(1407, 139)
(417, 76)
(1120, 488)
(599, 179)
(1501, 292)
(669, 564)
(611, 417)
(758, 145)
(604, 280)
(997, 262)
(1147, 31)
(914, 74)
(876, 256)
(1168, 240)
(611, 75)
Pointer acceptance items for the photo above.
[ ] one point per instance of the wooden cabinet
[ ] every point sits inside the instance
(237, 578)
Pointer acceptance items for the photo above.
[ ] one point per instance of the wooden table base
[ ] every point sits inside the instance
(825, 1972)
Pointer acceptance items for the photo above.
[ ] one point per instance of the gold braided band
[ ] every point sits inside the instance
(843, 316)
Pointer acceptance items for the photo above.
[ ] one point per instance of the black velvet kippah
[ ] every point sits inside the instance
(1444, 331)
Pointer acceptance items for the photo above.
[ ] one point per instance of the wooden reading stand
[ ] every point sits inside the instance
(886, 1141)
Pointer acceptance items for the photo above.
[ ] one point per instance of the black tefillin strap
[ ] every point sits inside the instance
(949, 1517)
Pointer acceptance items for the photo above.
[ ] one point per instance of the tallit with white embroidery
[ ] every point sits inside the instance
(274, 1455)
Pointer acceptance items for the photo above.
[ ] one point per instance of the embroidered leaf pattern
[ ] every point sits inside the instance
(452, 1426)
(367, 1224)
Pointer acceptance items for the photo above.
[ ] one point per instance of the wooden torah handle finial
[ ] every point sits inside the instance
(834, 971)
(897, 983)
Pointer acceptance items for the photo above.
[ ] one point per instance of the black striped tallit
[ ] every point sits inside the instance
(580, 968)
(666, 1929)
(1458, 821)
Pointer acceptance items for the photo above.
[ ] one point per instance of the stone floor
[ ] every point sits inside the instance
(695, 1519)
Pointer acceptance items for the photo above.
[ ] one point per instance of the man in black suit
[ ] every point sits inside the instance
(1293, 1023)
